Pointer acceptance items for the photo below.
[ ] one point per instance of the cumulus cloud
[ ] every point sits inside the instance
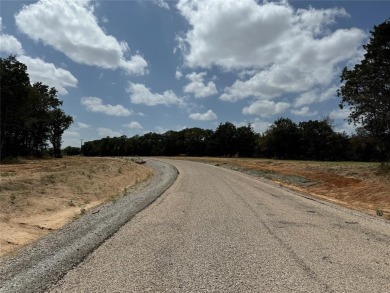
(94, 104)
(209, 115)
(161, 129)
(265, 108)
(83, 125)
(71, 138)
(198, 87)
(38, 69)
(316, 96)
(260, 126)
(108, 132)
(133, 125)
(340, 113)
(304, 111)
(291, 50)
(161, 4)
(140, 94)
(80, 37)
(48, 73)
(10, 45)
(178, 74)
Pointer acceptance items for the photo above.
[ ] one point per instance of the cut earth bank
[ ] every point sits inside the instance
(38, 196)
(355, 185)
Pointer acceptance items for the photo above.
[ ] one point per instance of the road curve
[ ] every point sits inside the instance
(216, 230)
(41, 264)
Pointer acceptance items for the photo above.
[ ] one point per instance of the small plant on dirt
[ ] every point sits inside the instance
(71, 203)
(137, 160)
(384, 168)
(13, 198)
(379, 212)
(49, 179)
(7, 174)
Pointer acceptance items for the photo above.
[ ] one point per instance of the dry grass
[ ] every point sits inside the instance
(37, 196)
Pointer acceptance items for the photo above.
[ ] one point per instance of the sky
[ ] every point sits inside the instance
(133, 67)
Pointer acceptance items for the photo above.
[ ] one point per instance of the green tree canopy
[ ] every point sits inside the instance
(366, 88)
(30, 114)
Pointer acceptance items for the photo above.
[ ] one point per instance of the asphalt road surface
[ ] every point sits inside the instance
(217, 230)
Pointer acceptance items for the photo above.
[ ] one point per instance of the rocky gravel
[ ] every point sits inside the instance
(40, 265)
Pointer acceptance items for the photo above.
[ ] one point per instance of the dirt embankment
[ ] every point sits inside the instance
(359, 186)
(37, 196)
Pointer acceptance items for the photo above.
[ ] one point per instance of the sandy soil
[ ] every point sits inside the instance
(38, 196)
(355, 185)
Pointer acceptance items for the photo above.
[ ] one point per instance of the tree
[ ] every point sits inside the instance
(281, 140)
(30, 114)
(15, 84)
(246, 141)
(58, 123)
(224, 140)
(319, 141)
(366, 88)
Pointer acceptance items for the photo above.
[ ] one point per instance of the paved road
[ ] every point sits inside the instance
(216, 230)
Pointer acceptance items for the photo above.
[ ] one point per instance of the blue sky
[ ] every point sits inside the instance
(132, 67)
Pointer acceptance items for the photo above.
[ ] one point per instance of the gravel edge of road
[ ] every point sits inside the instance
(38, 266)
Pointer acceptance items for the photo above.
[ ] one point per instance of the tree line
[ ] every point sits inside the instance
(30, 114)
(30, 117)
(284, 139)
(365, 90)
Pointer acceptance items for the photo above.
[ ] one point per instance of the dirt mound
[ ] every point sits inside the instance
(37, 196)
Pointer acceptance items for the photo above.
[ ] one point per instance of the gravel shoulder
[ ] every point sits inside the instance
(40, 265)
(218, 230)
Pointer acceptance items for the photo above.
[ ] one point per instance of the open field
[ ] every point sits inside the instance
(37, 196)
(355, 185)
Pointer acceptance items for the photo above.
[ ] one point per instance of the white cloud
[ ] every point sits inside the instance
(346, 127)
(260, 126)
(140, 94)
(198, 87)
(71, 133)
(265, 108)
(162, 4)
(83, 125)
(133, 125)
(72, 28)
(108, 132)
(10, 45)
(340, 113)
(316, 96)
(209, 115)
(48, 73)
(178, 74)
(161, 129)
(304, 111)
(291, 50)
(71, 138)
(315, 20)
(94, 104)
